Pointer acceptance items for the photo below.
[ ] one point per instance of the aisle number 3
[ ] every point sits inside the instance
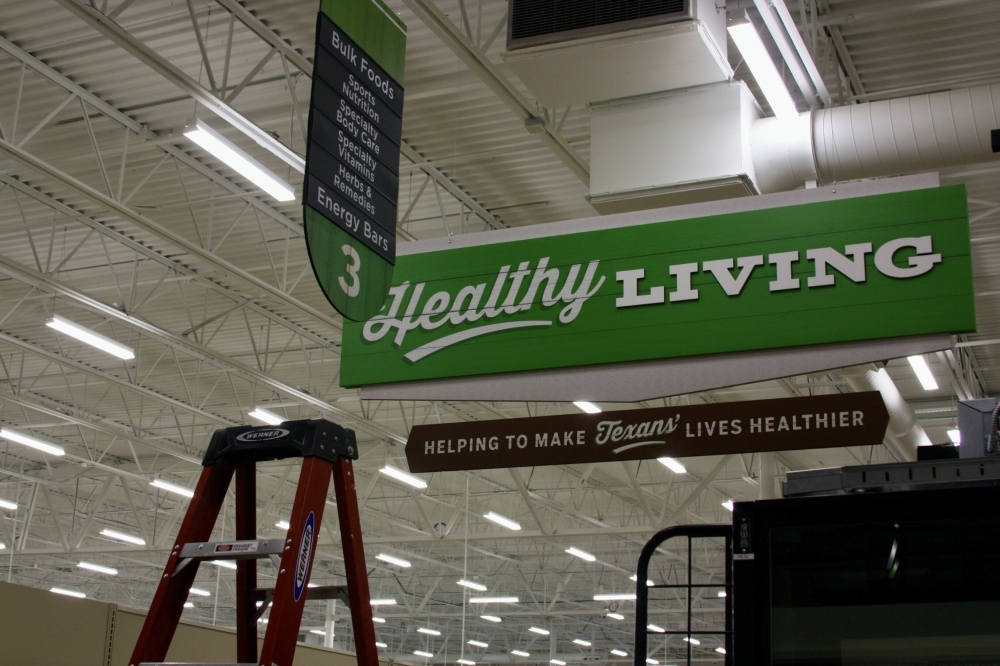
(354, 287)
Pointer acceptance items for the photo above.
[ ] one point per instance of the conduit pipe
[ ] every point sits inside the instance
(904, 434)
(876, 139)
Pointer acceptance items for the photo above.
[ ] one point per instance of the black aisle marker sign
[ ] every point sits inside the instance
(352, 157)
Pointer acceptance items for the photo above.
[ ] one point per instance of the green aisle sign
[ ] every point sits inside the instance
(872, 267)
(352, 157)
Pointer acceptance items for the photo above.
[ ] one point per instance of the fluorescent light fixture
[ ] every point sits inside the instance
(619, 653)
(91, 338)
(588, 407)
(720, 650)
(520, 653)
(501, 520)
(429, 632)
(264, 416)
(673, 465)
(465, 662)
(692, 641)
(422, 653)
(225, 564)
(169, 487)
(188, 604)
(557, 662)
(380, 620)
(490, 618)
(658, 629)
(722, 595)
(728, 505)
(4, 504)
(582, 554)
(924, 374)
(380, 644)
(479, 644)
(616, 616)
(382, 602)
(2, 546)
(127, 538)
(493, 600)
(400, 475)
(762, 68)
(98, 568)
(954, 435)
(539, 631)
(15, 436)
(398, 561)
(262, 620)
(634, 578)
(236, 159)
(580, 641)
(652, 662)
(317, 632)
(282, 525)
(474, 586)
(69, 593)
(200, 592)
(628, 596)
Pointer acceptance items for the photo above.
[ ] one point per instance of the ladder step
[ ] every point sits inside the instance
(232, 550)
(318, 593)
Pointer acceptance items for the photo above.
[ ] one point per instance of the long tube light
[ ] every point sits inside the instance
(614, 597)
(69, 593)
(398, 561)
(580, 641)
(728, 505)
(478, 644)
(400, 475)
(465, 662)
(502, 520)
(491, 618)
(172, 488)
(762, 68)
(656, 628)
(11, 506)
(539, 631)
(31, 442)
(282, 525)
(423, 653)
(955, 435)
(619, 653)
(582, 554)
(98, 568)
(493, 600)
(382, 602)
(127, 538)
(587, 407)
(206, 137)
(379, 644)
(200, 592)
(91, 338)
(616, 616)
(224, 564)
(673, 465)
(472, 586)
(380, 620)
(924, 374)
(429, 632)
(520, 653)
(264, 416)
(634, 578)
(788, 54)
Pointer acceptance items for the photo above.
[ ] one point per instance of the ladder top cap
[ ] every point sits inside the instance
(291, 439)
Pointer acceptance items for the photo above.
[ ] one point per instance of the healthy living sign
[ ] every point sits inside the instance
(824, 421)
(882, 266)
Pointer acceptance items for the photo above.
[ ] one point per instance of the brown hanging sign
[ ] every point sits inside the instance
(786, 424)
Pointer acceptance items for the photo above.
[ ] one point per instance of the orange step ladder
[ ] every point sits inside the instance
(327, 450)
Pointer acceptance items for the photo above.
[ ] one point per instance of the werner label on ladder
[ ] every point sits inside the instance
(326, 450)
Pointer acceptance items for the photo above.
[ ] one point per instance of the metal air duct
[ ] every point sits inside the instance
(876, 139)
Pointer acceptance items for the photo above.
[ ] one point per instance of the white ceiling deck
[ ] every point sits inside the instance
(110, 217)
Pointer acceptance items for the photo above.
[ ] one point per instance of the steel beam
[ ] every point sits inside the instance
(201, 352)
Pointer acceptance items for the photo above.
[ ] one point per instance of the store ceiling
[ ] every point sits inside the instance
(164, 233)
